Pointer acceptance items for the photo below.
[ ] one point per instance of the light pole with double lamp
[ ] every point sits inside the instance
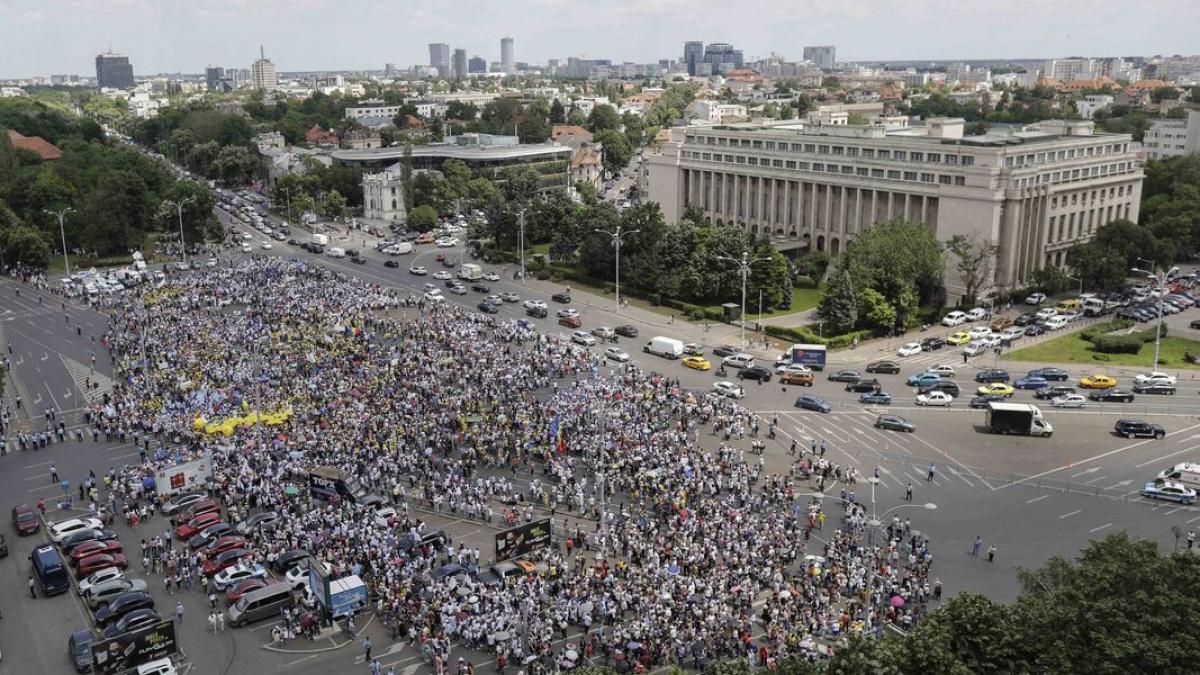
(61, 215)
(1160, 279)
(178, 205)
(617, 239)
(743, 264)
(877, 522)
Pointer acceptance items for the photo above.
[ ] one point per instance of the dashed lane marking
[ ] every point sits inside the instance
(1068, 515)
(1102, 527)
(1037, 499)
(1159, 459)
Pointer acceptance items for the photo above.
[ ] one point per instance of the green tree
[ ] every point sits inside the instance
(234, 165)
(603, 117)
(1048, 279)
(839, 303)
(617, 150)
(769, 277)
(423, 218)
(635, 129)
(874, 311)
(974, 261)
(199, 224)
(896, 255)
(334, 205)
(533, 129)
(558, 114)
(21, 244)
(813, 265)
(116, 214)
(587, 192)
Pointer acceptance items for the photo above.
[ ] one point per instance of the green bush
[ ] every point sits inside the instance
(696, 314)
(543, 275)
(1092, 332)
(1148, 334)
(1117, 344)
(714, 315)
(846, 339)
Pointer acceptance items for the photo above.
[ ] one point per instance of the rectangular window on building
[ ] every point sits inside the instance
(935, 157)
(877, 173)
(918, 157)
(1008, 161)
(893, 174)
(804, 166)
(869, 153)
(901, 156)
(741, 160)
(796, 147)
(885, 154)
(910, 175)
(778, 164)
(968, 160)
(927, 178)
(952, 159)
(1051, 229)
(770, 145)
(848, 169)
(822, 149)
(757, 145)
(839, 150)
(831, 168)
(791, 165)
(809, 147)
(960, 180)
(945, 180)
(818, 167)
(863, 171)
(753, 161)
(852, 152)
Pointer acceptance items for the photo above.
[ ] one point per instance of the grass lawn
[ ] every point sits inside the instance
(1074, 349)
(803, 298)
(80, 263)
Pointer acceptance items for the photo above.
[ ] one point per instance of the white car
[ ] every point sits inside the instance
(297, 575)
(616, 354)
(246, 248)
(266, 245)
(727, 388)
(441, 275)
(1012, 334)
(580, 337)
(979, 332)
(510, 297)
(1035, 299)
(432, 297)
(1045, 313)
(491, 276)
(211, 262)
(742, 360)
(1155, 377)
(418, 270)
(1068, 401)
(247, 236)
(977, 314)
(910, 349)
(975, 348)
(65, 528)
(231, 575)
(791, 368)
(157, 667)
(935, 398)
(493, 300)
(385, 516)
(942, 370)
(567, 311)
(458, 289)
(99, 577)
(991, 340)
(448, 242)
(531, 304)
(954, 318)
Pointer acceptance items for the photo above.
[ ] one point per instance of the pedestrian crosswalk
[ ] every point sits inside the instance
(93, 384)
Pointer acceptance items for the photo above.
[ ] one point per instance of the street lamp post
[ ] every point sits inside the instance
(61, 215)
(288, 191)
(617, 241)
(521, 242)
(1080, 280)
(877, 522)
(1160, 279)
(178, 205)
(743, 264)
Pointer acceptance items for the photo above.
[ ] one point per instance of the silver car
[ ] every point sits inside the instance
(101, 594)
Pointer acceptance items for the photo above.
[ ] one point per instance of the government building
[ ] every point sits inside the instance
(1035, 191)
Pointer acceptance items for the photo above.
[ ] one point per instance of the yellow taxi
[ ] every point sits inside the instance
(959, 338)
(697, 363)
(1097, 382)
(995, 389)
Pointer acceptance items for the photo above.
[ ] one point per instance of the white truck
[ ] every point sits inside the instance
(336, 252)
(1016, 418)
(668, 348)
(322, 239)
(470, 272)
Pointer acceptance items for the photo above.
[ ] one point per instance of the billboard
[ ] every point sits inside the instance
(183, 477)
(129, 650)
(523, 539)
(347, 595)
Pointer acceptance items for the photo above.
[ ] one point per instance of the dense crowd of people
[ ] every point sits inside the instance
(671, 545)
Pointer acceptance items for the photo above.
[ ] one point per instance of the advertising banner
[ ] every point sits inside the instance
(523, 539)
(184, 477)
(130, 650)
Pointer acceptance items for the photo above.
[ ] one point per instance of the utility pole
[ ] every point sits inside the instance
(521, 242)
(743, 264)
(1159, 279)
(616, 242)
(288, 191)
(178, 205)
(61, 215)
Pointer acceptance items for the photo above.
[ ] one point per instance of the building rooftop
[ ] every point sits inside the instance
(454, 151)
(44, 149)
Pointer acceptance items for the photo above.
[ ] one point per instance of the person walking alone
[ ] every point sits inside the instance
(908, 492)
(992, 553)
(931, 472)
(976, 546)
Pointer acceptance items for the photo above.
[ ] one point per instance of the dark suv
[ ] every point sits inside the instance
(992, 375)
(948, 386)
(863, 386)
(539, 312)
(1139, 429)
(755, 373)
(564, 298)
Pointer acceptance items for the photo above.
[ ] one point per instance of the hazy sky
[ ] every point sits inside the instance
(45, 37)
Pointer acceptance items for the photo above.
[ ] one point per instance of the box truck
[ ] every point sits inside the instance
(322, 239)
(1016, 418)
(809, 356)
(470, 272)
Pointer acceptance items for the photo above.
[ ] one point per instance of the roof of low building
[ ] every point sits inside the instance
(44, 149)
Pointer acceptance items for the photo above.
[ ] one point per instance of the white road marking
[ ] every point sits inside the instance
(1118, 484)
(1037, 499)
(1177, 510)
(1097, 529)
(1068, 515)
(1159, 459)
(1094, 480)
(1085, 471)
(1091, 459)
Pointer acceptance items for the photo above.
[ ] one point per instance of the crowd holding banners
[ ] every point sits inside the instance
(700, 556)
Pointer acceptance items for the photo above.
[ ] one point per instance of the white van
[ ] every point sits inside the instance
(336, 252)
(1187, 473)
(1057, 322)
(668, 348)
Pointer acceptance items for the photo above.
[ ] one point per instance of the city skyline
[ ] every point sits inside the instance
(311, 35)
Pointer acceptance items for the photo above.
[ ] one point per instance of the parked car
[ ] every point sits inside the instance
(626, 331)
(138, 618)
(124, 604)
(564, 298)
(909, 349)
(25, 520)
(1025, 319)
(1035, 299)
(725, 350)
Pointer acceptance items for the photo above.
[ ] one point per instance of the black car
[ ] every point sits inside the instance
(481, 288)
(1036, 329)
(390, 263)
(931, 343)
(992, 375)
(79, 646)
(1195, 324)
(180, 502)
(725, 350)
(844, 376)
(138, 618)
(488, 308)
(983, 401)
(1026, 319)
(886, 367)
(894, 423)
(564, 298)
(1049, 374)
(1053, 392)
(863, 386)
(209, 533)
(124, 604)
(755, 373)
(352, 253)
(537, 312)
(287, 559)
(449, 264)
(1111, 395)
(1161, 388)
(626, 331)
(451, 283)
(1137, 428)
(77, 538)
(949, 386)
(816, 403)
(359, 260)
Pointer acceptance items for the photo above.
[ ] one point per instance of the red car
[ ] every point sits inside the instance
(227, 559)
(202, 506)
(91, 548)
(24, 520)
(193, 526)
(99, 561)
(243, 587)
(226, 543)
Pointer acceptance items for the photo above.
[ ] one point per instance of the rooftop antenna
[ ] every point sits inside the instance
(262, 54)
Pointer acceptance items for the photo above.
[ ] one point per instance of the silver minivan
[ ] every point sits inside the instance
(259, 604)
